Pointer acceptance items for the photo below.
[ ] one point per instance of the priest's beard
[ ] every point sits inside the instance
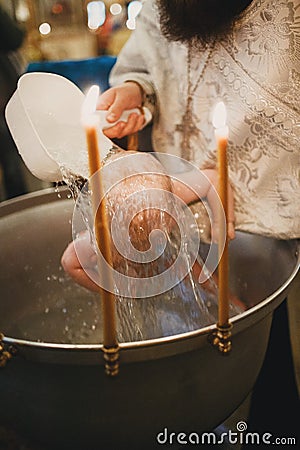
(198, 20)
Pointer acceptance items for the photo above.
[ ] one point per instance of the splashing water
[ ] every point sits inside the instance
(150, 233)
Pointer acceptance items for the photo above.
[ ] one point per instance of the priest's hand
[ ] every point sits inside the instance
(195, 185)
(118, 99)
(76, 269)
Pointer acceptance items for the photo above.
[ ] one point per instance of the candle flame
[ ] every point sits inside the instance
(220, 115)
(89, 106)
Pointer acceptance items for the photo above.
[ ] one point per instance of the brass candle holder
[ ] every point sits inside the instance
(111, 359)
(221, 338)
(6, 353)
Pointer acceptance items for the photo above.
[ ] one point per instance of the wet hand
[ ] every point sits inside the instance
(214, 202)
(74, 268)
(192, 186)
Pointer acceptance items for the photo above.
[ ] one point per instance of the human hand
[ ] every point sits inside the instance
(118, 99)
(191, 186)
(214, 202)
(88, 258)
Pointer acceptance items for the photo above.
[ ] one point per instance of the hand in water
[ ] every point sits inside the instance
(74, 268)
(191, 186)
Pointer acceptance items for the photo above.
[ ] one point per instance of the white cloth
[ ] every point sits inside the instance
(255, 71)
